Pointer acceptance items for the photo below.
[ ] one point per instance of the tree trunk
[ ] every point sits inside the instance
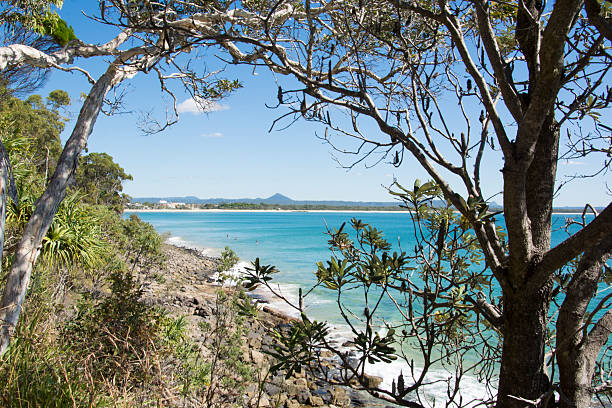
(5, 169)
(577, 350)
(522, 372)
(46, 207)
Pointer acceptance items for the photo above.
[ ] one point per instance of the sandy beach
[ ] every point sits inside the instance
(215, 210)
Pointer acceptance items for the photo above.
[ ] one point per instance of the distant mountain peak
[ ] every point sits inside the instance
(278, 197)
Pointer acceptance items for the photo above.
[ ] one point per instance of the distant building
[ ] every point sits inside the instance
(175, 205)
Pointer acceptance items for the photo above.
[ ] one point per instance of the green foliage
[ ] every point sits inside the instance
(227, 260)
(58, 99)
(115, 339)
(192, 370)
(245, 306)
(434, 288)
(299, 346)
(31, 133)
(38, 16)
(73, 238)
(101, 180)
(53, 25)
(220, 88)
(224, 340)
(258, 274)
(117, 333)
(123, 338)
(141, 243)
(38, 372)
(374, 347)
(29, 13)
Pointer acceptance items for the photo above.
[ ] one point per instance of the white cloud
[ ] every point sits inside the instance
(202, 106)
(214, 135)
(574, 162)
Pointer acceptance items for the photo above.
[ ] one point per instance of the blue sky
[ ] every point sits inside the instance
(229, 152)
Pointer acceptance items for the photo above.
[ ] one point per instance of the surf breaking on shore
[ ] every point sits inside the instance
(472, 388)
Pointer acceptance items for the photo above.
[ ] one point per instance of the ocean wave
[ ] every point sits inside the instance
(435, 392)
(180, 242)
(472, 390)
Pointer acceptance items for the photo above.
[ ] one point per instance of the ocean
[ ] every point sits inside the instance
(294, 242)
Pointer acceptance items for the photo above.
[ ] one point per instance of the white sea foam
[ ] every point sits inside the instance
(182, 243)
(231, 277)
(435, 391)
(472, 391)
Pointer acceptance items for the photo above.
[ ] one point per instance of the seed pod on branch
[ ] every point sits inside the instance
(440, 244)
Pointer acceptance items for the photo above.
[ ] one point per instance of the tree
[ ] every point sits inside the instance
(528, 82)
(155, 52)
(101, 179)
(36, 24)
(539, 67)
(39, 123)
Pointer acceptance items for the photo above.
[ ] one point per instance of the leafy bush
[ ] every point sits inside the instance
(228, 259)
(119, 333)
(142, 243)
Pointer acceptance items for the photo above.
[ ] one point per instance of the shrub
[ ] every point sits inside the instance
(228, 259)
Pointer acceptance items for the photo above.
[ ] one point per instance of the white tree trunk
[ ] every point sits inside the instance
(5, 187)
(47, 205)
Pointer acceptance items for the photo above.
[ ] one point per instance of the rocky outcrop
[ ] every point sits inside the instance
(183, 287)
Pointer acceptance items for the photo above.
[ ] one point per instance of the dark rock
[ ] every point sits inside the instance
(272, 389)
(303, 396)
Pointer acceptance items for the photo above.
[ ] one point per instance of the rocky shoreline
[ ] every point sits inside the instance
(184, 287)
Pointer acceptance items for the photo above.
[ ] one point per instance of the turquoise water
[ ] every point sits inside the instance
(294, 242)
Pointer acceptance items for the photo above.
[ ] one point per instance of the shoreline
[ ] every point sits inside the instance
(274, 308)
(187, 292)
(215, 210)
(262, 297)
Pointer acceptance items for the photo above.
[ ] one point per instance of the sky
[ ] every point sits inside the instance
(229, 152)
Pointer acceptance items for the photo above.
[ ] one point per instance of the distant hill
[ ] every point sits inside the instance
(276, 199)
(280, 199)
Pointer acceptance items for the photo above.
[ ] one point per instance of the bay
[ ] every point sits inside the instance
(294, 242)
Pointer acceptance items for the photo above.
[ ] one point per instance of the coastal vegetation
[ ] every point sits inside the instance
(265, 206)
(528, 82)
(450, 85)
(88, 336)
